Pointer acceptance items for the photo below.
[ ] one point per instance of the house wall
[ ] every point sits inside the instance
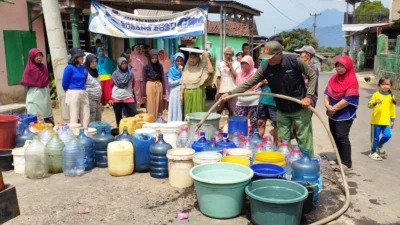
(394, 10)
(15, 17)
(388, 64)
(235, 42)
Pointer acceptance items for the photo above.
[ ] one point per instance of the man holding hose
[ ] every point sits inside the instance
(284, 73)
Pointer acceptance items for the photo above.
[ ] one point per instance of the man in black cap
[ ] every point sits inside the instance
(284, 73)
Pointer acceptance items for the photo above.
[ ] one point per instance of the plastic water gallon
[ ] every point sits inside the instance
(65, 135)
(183, 137)
(46, 134)
(284, 149)
(295, 154)
(269, 145)
(158, 158)
(88, 145)
(125, 136)
(54, 150)
(305, 169)
(98, 125)
(236, 138)
(101, 142)
(142, 141)
(36, 164)
(256, 138)
(213, 146)
(120, 158)
(129, 123)
(226, 143)
(200, 144)
(26, 135)
(73, 158)
(160, 119)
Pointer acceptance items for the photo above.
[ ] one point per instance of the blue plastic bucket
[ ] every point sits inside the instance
(267, 171)
(237, 124)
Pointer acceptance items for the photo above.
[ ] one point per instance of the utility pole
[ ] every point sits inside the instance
(58, 51)
(315, 21)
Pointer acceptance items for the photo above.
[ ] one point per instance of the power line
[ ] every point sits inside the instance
(281, 12)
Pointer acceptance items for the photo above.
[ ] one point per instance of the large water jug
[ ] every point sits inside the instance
(284, 148)
(98, 125)
(160, 119)
(120, 158)
(36, 164)
(200, 144)
(295, 154)
(183, 137)
(193, 138)
(269, 145)
(54, 150)
(236, 139)
(213, 146)
(158, 158)
(88, 145)
(246, 144)
(101, 142)
(125, 136)
(142, 143)
(20, 139)
(46, 134)
(305, 169)
(256, 138)
(74, 158)
(65, 135)
(218, 135)
(238, 124)
(226, 143)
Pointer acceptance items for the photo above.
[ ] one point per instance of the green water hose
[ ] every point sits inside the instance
(346, 187)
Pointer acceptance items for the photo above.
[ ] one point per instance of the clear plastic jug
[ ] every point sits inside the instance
(36, 160)
(54, 150)
(73, 158)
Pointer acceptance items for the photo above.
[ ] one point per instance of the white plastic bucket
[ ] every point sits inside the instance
(155, 126)
(201, 158)
(170, 131)
(239, 152)
(180, 161)
(19, 159)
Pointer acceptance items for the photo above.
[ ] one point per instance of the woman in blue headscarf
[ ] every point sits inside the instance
(174, 80)
(105, 67)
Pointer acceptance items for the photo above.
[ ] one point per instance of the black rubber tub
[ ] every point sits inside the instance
(6, 160)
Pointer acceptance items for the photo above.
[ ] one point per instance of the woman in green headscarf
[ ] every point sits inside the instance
(105, 67)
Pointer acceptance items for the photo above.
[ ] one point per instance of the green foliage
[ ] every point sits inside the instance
(213, 60)
(374, 7)
(336, 50)
(326, 68)
(297, 38)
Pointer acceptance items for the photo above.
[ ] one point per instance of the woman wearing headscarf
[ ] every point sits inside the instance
(105, 67)
(122, 84)
(93, 88)
(247, 105)
(153, 76)
(74, 83)
(174, 78)
(36, 81)
(166, 64)
(195, 77)
(341, 102)
(139, 61)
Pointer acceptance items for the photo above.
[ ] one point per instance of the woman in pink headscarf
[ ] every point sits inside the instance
(166, 64)
(139, 61)
(247, 105)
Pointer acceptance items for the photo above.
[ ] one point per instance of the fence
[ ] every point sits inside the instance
(387, 64)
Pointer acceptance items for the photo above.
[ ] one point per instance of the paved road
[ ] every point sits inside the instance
(375, 195)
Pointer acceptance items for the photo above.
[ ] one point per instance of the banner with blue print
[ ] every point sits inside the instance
(112, 22)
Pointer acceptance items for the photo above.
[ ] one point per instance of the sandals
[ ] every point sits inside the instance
(336, 168)
(382, 152)
(375, 156)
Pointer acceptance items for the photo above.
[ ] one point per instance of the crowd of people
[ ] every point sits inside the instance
(148, 78)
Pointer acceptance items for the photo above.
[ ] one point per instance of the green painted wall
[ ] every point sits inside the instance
(388, 64)
(235, 42)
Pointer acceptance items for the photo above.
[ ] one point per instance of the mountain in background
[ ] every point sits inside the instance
(329, 28)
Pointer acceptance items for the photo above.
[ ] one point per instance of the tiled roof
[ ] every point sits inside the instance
(232, 28)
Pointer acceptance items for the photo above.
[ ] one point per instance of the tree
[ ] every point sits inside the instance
(371, 12)
(329, 49)
(297, 38)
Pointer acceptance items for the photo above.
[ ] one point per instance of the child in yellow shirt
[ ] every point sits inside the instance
(383, 105)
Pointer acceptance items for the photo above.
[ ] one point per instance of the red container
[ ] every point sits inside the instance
(8, 131)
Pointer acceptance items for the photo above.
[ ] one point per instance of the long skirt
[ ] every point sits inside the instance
(138, 89)
(154, 94)
(38, 101)
(106, 90)
(175, 107)
(194, 100)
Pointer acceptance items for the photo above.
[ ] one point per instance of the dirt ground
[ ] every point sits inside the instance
(134, 199)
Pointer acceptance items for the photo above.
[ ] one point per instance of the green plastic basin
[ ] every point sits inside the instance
(276, 201)
(220, 188)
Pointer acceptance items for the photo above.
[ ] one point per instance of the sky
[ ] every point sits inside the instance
(296, 10)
